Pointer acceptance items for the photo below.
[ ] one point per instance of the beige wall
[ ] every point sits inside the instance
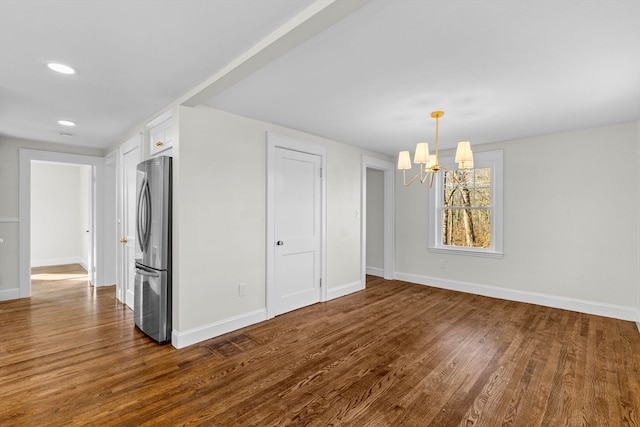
(220, 213)
(571, 228)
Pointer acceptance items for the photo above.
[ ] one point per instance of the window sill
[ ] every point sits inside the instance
(468, 252)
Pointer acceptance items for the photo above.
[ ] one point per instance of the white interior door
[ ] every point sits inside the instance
(130, 157)
(297, 229)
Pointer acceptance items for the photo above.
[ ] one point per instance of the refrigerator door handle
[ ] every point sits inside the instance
(144, 215)
(140, 208)
(147, 273)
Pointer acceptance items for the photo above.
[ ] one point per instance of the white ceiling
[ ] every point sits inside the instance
(499, 69)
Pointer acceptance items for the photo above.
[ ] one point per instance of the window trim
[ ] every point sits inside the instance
(492, 159)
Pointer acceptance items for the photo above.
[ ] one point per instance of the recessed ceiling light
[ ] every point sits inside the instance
(66, 123)
(60, 68)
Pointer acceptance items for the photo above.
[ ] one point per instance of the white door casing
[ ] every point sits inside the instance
(87, 223)
(26, 157)
(130, 156)
(388, 168)
(110, 227)
(296, 194)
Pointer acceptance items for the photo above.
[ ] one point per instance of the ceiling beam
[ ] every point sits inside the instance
(311, 21)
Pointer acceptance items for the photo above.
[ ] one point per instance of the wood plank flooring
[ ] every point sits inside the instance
(396, 354)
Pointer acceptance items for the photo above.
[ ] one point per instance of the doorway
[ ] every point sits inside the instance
(387, 220)
(61, 214)
(374, 252)
(96, 233)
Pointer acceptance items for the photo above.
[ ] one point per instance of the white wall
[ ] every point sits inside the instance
(220, 212)
(60, 197)
(375, 222)
(571, 226)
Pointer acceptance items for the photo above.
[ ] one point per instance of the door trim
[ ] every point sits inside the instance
(279, 141)
(111, 217)
(97, 242)
(121, 269)
(389, 217)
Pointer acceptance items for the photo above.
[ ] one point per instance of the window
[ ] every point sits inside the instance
(465, 214)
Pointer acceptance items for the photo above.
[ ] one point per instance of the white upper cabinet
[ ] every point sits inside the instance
(160, 134)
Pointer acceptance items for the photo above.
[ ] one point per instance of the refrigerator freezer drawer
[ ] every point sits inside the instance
(152, 303)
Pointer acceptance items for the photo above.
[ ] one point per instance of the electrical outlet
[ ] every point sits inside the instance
(443, 263)
(242, 289)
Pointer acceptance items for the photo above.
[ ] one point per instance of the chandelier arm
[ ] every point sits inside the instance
(404, 177)
(453, 175)
(426, 175)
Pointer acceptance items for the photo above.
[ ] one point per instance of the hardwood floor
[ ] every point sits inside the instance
(397, 354)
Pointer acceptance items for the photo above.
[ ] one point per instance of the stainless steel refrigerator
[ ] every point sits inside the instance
(152, 288)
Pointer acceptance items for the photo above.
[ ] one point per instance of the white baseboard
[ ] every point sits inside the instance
(181, 339)
(8, 294)
(104, 285)
(186, 338)
(58, 261)
(573, 304)
(343, 290)
(374, 271)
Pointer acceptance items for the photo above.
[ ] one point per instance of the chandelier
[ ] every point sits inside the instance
(428, 163)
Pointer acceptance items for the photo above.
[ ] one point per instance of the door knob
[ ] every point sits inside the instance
(124, 240)
(279, 243)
